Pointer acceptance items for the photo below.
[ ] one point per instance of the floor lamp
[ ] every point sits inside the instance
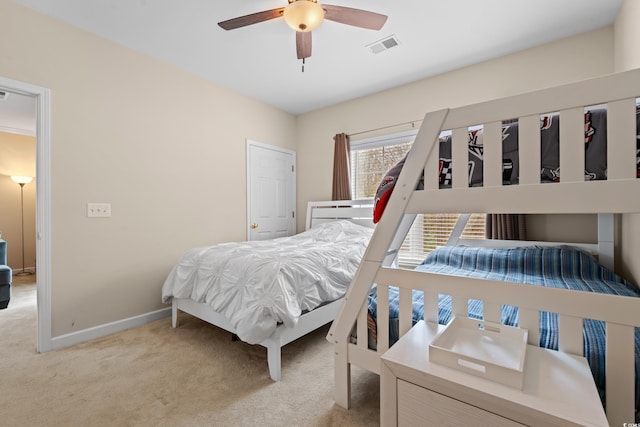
(22, 180)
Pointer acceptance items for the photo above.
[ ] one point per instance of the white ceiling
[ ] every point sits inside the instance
(18, 114)
(435, 36)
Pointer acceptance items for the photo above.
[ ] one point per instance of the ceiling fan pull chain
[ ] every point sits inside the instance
(303, 64)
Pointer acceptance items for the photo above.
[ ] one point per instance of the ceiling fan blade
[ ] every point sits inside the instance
(303, 44)
(356, 17)
(254, 18)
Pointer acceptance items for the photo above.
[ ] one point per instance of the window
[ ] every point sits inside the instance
(430, 231)
(370, 160)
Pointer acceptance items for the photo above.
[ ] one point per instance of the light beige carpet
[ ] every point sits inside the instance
(159, 376)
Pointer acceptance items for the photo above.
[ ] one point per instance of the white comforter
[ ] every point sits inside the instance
(258, 284)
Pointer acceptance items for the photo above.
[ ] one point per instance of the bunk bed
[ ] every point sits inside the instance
(418, 190)
(273, 292)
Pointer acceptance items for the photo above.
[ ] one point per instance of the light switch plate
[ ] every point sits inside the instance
(98, 210)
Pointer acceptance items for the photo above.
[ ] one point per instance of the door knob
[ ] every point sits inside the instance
(254, 225)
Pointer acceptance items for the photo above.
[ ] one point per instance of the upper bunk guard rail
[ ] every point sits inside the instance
(618, 92)
(595, 91)
(606, 196)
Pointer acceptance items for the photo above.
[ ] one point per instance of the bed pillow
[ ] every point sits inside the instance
(385, 188)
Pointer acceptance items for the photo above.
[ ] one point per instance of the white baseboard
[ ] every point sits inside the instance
(88, 334)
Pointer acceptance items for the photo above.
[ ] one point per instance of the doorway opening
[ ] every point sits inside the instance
(43, 202)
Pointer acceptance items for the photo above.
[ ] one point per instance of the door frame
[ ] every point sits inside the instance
(43, 204)
(249, 144)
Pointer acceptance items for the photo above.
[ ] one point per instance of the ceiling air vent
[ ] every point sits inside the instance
(384, 44)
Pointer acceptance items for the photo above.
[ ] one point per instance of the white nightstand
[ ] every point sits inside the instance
(558, 390)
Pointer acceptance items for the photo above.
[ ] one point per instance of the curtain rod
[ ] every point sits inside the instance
(412, 123)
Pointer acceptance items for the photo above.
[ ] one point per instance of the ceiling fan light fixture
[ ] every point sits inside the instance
(303, 15)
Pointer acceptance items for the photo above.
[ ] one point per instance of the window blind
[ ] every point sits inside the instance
(370, 160)
(430, 231)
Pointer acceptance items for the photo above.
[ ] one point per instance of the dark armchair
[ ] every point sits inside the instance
(5, 276)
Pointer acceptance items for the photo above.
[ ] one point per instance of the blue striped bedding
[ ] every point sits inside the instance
(558, 267)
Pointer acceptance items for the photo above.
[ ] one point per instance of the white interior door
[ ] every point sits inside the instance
(271, 192)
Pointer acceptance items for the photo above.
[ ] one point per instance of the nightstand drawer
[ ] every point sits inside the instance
(419, 406)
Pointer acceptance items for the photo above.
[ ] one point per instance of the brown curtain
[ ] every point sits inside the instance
(506, 227)
(341, 165)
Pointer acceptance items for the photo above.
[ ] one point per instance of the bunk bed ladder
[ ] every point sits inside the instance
(391, 229)
(391, 256)
(456, 233)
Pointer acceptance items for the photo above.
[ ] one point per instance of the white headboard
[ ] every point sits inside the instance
(357, 211)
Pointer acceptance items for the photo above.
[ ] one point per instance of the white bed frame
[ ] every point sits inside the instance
(358, 211)
(619, 194)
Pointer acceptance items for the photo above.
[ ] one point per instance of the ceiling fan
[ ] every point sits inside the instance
(305, 16)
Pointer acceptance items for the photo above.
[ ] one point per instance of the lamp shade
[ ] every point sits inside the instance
(21, 179)
(303, 15)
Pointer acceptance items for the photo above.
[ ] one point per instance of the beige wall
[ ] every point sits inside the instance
(563, 228)
(18, 157)
(165, 148)
(627, 36)
(627, 57)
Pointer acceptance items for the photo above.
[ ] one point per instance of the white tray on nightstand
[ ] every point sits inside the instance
(485, 349)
